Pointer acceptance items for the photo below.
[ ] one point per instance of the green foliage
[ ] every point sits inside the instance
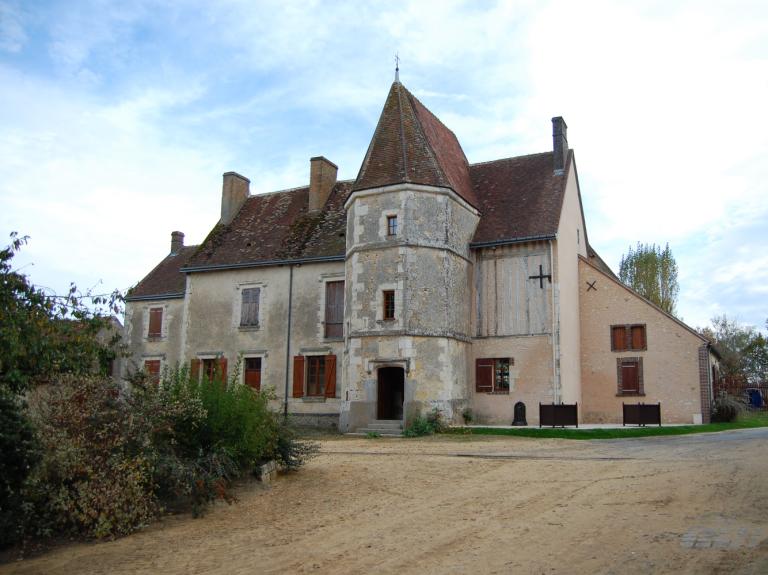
(420, 425)
(652, 272)
(467, 415)
(293, 452)
(19, 453)
(743, 350)
(726, 409)
(373, 435)
(42, 335)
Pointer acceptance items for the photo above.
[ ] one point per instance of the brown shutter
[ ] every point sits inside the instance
(630, 380)
(253, 378)
(638, 337)
(618, 338)
(194, 370)
(298, 376)
(484, 375)
(155, 322)
(330, 376)
(222, 369)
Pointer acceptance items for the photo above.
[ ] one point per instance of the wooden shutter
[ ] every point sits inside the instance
(194, 370)
(484, 375)
(152, 367)
(253, 373)
(618, 338)
(330, 376)
(222, 370)
(298, 376)
(638, 337)
(155, 322)
(630, 377)
(334, 309)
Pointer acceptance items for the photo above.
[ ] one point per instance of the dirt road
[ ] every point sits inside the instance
(690, 504)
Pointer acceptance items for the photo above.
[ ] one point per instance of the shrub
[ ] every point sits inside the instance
(467, 415)
(19, 453)
(726, 409)
(420, 426)
(293, 452)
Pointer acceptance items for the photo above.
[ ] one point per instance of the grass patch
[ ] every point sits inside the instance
(745, 421)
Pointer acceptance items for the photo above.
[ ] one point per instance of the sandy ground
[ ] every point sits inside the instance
(691, 504)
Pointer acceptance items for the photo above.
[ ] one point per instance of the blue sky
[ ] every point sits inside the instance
(118, 119)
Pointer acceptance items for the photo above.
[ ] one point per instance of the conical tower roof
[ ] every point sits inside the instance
(410, 145)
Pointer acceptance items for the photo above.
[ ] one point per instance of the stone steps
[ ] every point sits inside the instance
(383, 427)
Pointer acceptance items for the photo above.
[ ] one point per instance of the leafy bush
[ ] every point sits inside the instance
(420, 426)
(725, 409)
(467, 415)
(19, 453)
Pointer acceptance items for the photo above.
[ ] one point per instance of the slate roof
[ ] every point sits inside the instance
(165, 280)
(277, 227)
(518, 198)
(410, 145)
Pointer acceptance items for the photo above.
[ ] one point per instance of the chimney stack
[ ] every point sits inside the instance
(560, 143)
(177, 242)
(234, 192)
(322, 178)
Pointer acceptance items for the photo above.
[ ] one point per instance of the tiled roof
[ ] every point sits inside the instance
(166, 279)
(410, 145)
(277, 227)
(518, 198)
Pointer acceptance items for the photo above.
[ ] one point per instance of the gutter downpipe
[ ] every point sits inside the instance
(555, 335)
(288, 339)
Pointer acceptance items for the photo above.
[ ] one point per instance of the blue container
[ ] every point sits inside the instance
(755, 398)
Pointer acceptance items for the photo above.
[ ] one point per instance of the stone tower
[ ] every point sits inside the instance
(410, 219)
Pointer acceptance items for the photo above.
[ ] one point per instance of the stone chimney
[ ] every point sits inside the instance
(322, 178)
(177, 242)
(234, 192)
(560, 143)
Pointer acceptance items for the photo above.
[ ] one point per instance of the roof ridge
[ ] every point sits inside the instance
(295, 189)
(508, 158)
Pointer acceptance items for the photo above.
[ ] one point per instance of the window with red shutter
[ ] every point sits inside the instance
(628, 337)
(155, 322)
(152, 369)
(492, 374)
(252, 372)
(330, 376)
(629, 372)
(298, 376)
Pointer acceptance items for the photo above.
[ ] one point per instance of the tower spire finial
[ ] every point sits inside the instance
(397, 68)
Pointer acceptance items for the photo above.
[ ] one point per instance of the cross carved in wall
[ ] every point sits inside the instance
(541, 277)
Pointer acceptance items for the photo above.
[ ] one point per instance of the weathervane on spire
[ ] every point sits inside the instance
(397, 67)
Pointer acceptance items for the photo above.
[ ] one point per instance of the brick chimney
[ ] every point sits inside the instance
(322, 178)
(177, 242)
(560, 143)
(234, 192)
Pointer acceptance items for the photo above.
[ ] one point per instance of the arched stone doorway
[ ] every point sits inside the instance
(391, 393)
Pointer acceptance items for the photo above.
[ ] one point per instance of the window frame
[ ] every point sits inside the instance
(250, 322)
(246, 370)
(153, 312)
(622, 362)
(388, 309)
(152, 375)
(314, 380)
(339, 308)
(392, 227)
(628, 337)
(495, 363)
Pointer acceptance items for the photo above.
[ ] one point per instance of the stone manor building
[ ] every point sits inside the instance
(425, 282)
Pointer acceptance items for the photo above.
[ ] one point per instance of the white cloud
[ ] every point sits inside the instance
(12, 34)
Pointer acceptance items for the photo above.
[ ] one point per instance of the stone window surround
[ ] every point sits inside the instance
(313, 352)
(258, 354)
(384, 224)
(379, 304)
(238, 304)
(163, 324)
(322, 280)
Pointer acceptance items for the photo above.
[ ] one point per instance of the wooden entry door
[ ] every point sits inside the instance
(391, 393)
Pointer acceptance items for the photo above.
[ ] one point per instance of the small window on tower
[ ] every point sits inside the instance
(389, 304)
(391, 225)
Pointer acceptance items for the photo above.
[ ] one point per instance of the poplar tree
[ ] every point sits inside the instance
(652, 272)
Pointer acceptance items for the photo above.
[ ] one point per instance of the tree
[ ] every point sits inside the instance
(743, 350)
(652, 272)
(43, 334)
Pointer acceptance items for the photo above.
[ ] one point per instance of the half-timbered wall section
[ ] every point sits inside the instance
(512, 296)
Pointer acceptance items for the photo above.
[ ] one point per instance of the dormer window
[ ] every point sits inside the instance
(391, 225)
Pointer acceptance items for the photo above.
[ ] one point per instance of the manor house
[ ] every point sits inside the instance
(426, 282)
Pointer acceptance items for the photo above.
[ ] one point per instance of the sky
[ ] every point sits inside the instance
(117, 120)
